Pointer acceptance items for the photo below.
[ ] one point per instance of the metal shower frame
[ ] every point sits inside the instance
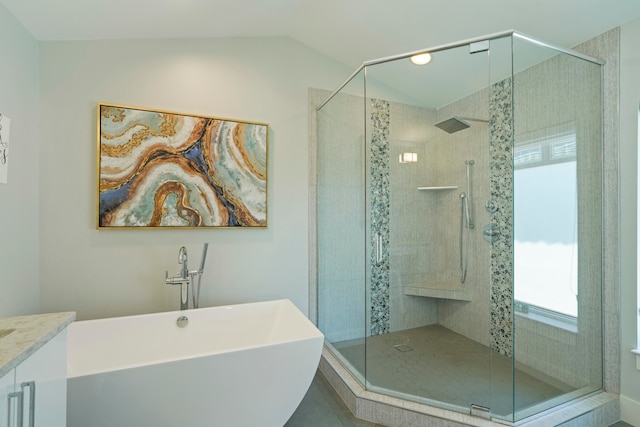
(462, 43)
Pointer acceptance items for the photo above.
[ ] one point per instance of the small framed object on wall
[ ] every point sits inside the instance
(5, 124)
(160, 169)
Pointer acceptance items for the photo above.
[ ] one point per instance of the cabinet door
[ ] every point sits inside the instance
(6, 387)
(44, 376)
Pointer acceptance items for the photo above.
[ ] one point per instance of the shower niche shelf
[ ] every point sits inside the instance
(437, 290)
(438, 188)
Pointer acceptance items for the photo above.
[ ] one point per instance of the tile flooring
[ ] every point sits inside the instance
(322, 407)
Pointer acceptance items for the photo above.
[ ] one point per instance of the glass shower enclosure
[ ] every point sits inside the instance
(459, 221)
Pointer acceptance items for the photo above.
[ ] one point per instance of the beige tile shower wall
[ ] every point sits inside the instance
(411, 214)
(471, 319)
(564, 91)
(607, 47)
(342, 301)
(572, 358)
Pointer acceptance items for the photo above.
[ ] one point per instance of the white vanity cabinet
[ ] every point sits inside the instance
(6, 388)
(35, 392)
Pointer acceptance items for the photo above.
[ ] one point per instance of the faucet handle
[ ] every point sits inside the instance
(171, 280)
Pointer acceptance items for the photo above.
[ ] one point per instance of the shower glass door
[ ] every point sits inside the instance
(428, 266)
(340, 221)
(459, 215)
(557, 217)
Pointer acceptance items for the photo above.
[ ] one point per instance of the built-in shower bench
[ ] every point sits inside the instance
(437, 290)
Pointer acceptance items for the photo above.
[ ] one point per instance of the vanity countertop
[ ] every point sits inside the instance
(21, 336)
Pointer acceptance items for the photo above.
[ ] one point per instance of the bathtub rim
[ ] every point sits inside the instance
(192, 310)
(313, 334)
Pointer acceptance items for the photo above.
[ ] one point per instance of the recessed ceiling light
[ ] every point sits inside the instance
(421, 59)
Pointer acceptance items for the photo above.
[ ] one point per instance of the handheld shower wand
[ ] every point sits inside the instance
(466, 223)
(468, 164)
(195, 292)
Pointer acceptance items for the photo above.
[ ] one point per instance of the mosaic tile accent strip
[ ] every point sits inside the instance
(380, 213)
(501, 189)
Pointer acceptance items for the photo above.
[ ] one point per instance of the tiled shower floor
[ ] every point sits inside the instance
(433, 362)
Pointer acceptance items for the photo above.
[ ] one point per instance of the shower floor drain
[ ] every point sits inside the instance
(402, 348)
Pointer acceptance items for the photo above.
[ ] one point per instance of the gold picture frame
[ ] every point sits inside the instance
(162, 169)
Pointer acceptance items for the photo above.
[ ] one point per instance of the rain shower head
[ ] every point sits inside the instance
(455, 124)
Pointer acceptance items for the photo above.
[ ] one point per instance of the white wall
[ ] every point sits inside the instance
(101, 273)
(19, 278)
(629, 100)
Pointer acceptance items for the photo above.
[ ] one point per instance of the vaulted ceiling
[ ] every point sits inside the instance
(350, 31)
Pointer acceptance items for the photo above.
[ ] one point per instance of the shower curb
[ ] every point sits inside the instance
(595, 410)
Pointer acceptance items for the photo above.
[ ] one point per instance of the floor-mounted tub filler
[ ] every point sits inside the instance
(239, 365)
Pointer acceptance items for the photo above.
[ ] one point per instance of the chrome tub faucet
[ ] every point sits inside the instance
(185, 278)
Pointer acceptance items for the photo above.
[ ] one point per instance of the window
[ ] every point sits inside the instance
(545, 229)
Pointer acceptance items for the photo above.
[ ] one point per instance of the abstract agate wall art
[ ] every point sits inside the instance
(164, 169)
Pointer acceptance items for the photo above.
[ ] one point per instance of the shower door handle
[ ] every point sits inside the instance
(378, 249)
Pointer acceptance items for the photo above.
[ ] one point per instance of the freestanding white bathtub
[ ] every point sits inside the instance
(246, 365)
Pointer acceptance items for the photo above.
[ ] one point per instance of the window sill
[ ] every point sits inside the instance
(637, 353)
(548, 317)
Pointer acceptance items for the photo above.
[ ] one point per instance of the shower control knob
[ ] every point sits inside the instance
(490, 233)
(491, 206)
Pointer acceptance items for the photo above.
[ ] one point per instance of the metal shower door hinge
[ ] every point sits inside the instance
(482, 46)
(480, 411)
